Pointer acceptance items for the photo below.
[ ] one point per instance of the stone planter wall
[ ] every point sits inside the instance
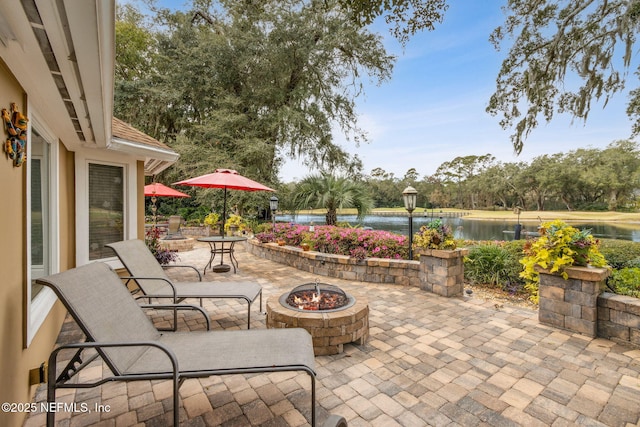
(619, 318)
(177, 245)
(442, 272)
(571, 304)
(200, 231)
(375, 270)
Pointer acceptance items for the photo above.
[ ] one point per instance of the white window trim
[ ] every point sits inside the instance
(38, 309)
(129, 165)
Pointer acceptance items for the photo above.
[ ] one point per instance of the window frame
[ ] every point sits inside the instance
(38, 309)
(83, 159)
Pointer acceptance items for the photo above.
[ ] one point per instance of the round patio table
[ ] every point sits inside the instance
(221, 245)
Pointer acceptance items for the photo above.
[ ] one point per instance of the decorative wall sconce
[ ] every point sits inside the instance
(15, 124)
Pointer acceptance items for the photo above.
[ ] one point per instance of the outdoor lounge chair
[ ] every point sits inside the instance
(150, 277)
(173, 229)
(132, 348)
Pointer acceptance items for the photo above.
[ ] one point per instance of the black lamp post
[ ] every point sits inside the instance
(273, 204)
(410, 196)
(518, 228)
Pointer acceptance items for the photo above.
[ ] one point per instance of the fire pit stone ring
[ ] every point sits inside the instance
(330, 327)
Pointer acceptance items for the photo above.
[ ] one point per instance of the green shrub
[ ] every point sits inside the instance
(495, 264)
(626, 281)
(515, 248)
(620, 253)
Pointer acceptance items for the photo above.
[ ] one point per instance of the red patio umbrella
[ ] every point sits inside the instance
(227, 179)
(160, 190)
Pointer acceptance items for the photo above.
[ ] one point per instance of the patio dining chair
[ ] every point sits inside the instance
(119, 333)
(152, 280)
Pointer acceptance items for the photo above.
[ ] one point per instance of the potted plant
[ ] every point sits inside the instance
(440, 256)
(434, 235)
(233, 224)
(210, 221)
(559, 246)
(306, 244)
(307, 241)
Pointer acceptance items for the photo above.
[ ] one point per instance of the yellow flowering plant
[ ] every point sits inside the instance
(211, 219)
(559, 246)
(237, 221)
(434, 235)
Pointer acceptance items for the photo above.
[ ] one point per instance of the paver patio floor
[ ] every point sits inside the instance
(429, 361)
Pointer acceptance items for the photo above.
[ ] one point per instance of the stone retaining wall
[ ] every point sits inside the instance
(619, 318)
(578, 304)
(177, 245)
(442, 272)
(376, 270)
(198, 231)
(571, 303)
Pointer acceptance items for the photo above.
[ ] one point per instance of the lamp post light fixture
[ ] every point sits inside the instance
(410, 196)
(273, 204)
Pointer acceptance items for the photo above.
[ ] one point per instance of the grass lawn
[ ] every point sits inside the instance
(569, 216)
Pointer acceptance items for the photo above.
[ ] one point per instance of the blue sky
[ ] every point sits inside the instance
(433, 108)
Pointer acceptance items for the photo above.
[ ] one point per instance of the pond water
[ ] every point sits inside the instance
(475, 229)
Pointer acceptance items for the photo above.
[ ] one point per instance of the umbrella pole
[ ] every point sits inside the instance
(224, 212)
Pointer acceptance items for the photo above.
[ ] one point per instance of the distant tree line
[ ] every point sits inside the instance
(582, 179)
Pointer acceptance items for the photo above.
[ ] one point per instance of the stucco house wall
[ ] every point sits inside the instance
(77, 126)
(15, 358)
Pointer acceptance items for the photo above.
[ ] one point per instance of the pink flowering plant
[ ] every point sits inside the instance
(355, 242)
(152, 240)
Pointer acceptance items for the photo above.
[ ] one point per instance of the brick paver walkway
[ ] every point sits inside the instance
(429, 361)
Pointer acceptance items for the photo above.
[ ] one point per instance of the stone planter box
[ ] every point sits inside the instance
(375, 270)
(571, 304)
(442, 271)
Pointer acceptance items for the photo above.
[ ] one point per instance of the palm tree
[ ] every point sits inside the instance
(332, 193)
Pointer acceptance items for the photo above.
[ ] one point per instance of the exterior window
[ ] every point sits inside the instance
(43, 234)
(40, 212)
(106, 208)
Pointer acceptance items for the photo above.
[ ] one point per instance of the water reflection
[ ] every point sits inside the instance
(471, 229)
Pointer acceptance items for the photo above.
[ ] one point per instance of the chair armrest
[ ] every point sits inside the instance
(184, 266)
(136, 278)
(180, 307)
(51, 374)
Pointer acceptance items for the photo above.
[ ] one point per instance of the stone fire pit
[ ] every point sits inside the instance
(330, 328)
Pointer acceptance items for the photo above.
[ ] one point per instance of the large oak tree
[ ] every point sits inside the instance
(563, 54)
